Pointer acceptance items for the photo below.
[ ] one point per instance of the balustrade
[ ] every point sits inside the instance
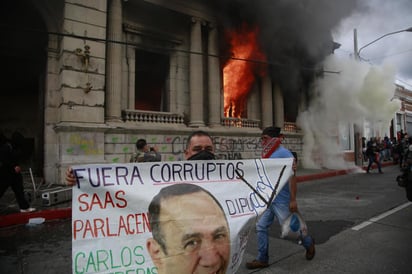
(152, 117)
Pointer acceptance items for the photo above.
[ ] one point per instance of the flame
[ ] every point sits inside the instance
(239, 73)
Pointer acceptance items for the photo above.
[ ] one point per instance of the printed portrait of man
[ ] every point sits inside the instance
(190, 231)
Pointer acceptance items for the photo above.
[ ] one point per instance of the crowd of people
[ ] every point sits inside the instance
(377, 150)
(397, 149)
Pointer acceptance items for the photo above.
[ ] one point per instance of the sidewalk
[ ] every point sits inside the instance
(10, 215)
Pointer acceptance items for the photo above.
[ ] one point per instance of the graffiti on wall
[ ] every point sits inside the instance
(118, 148)
(232, 148)
(172, 147)
(84, 144)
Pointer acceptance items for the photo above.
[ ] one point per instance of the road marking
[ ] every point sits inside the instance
(381, 216)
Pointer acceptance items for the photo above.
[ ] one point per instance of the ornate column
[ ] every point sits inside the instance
(131, 57)
(182, 85)
(113, 70)
(279, 107)
(267, 109)
(215, 85)
(173, 69)
(196, 75)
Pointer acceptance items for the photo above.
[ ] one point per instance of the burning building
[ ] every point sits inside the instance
(86, 79)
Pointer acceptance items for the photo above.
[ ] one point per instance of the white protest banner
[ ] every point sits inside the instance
(199, 221)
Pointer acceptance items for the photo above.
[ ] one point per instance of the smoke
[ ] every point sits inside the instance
(371, 22)
(359, 94)
(294, 35)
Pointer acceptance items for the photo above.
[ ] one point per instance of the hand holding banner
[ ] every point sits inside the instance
(169, 217)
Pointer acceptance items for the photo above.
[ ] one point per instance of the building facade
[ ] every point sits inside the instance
(86, 79)
(403, 117)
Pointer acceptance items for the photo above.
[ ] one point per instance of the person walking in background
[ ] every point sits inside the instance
(10, 171)
(364, 158)
(403, 145)
(373, 153)
(394, 152)
(145, 153)
(282, 206)
(387, 144)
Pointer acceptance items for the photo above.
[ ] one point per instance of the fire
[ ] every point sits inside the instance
(239, 73)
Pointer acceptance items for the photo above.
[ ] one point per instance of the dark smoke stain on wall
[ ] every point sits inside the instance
(295, 36)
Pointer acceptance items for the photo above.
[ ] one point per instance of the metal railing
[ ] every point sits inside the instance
(239, 122)
(152, 117)
(290, 127)
(144, 116)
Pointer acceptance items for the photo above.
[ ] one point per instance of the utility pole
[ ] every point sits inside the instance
(355, 44)
(357, 139)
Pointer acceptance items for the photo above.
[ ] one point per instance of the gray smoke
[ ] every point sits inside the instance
(295, 36)
(360, 94)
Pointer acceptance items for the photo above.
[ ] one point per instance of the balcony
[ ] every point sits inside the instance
(239, 122)
(290, 127)
(143, 116)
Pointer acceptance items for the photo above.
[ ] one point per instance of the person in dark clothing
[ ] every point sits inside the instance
(364, 157)
(405, 179)
(10, 171)
(145, 153)
(403, 148)
(373, 154)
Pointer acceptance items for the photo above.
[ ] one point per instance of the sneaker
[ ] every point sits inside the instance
(30, 209)
(256, 264)
(310, 252)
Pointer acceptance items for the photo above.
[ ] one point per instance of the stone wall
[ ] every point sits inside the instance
(86, 147)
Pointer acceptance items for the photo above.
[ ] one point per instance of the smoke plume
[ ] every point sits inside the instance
(359, 94)
(294, 35)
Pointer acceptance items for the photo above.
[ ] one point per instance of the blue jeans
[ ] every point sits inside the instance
(281, 212)
(372, 160)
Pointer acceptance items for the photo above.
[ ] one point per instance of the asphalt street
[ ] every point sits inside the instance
(361, 223)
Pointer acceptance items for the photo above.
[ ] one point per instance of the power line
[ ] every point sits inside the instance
(390, 55)
(350, 54)
(105, 40)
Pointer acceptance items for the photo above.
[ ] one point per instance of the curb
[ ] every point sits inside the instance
(23, 218)
(65, 213)
(323, 175)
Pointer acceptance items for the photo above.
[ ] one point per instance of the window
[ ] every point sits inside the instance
(398, 122)
(152, 70)
(344, 136)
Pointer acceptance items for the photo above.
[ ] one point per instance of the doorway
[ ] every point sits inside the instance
(23, 45)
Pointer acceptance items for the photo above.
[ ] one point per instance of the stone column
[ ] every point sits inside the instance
(267, 101)
(196, 75)
(279, 107)
(215, 84)
(114, 57)
(173, 71)
(131, 57)
(182, 85)
(254, 105)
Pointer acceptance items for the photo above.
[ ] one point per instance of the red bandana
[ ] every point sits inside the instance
(271, 146)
